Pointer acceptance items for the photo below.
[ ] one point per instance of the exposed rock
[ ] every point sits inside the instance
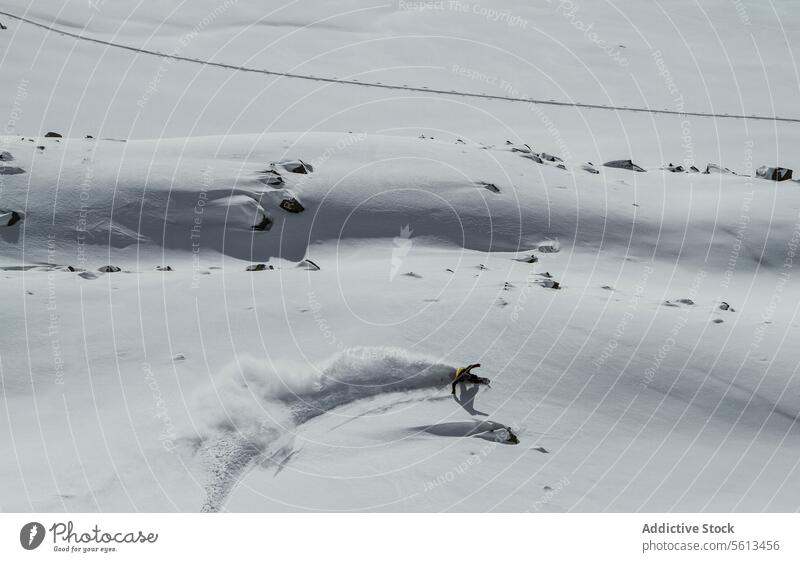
(589, 167)
(292, 205)
(271, 177)
(527, 259)
(259, 267)
(13, 217)
(548, 284)
(490, 186)
(412, 274)
(624, 165)
(725, 306)
(309, 265)
(550, 157)
(88, 137)
(6, 156)
(10, 170)
(163, 268)
(689, 302)
(718, 320)
(40, 147)
(88, 275)
(52, 135)
(774, 174)
(109, 269)
(2, 26)
(179, 357)
(265, 223)
(675, 169)
(714, 169)
(694, 170)
(294, 166)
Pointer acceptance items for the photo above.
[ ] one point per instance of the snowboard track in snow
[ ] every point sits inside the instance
(254, 410)
(421, 89)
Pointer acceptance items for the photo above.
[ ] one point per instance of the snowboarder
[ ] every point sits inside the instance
(465, 375)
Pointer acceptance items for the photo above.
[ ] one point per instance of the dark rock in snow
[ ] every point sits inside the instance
(774, 174)
(672, 168)
(40, 147)
(294, 166)
(271, 177)
(589, 167)
(52, 135)
(309, 265)
(694, 170)
(412, 274)
(490, 186)
(725, 306)
(541, 450)
(264, 224)
(550, 157)
(88, 137)
(6, 156)
(2, 26)
(10, 170)
(70, 269)
(292, 205)
(534, 157)
(549, 284)
(88, 275)
(689, 302)
(714, 169)
(528, 259)
(718, 320)
(163, 268)
(259, 267)
(109, 269)
(624, 165)
(14, 218)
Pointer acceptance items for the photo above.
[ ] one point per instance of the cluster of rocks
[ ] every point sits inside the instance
(774, 173)
(273, 177)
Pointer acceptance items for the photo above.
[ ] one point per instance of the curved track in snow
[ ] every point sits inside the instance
(421, 89)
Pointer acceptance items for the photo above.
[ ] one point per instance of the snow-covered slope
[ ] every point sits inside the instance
(644, 360)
